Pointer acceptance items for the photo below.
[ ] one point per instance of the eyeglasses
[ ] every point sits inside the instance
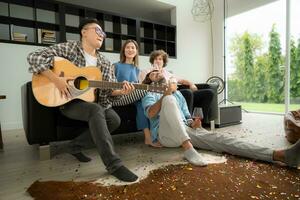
(99, 31)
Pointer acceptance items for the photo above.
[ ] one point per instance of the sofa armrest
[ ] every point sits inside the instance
(206, 86)
(39, 122)
(214, 104)
(213, 114)
(199, 86)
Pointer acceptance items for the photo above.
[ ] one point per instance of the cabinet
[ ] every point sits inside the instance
(24, 21)
(45, 22)
(156, 36)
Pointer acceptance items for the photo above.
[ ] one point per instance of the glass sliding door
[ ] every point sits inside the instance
(255, 54)
(294, 55)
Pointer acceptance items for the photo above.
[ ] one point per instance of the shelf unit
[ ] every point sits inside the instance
(45, 22)
(156, 36)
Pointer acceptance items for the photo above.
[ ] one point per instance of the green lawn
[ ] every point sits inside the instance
(267, 107)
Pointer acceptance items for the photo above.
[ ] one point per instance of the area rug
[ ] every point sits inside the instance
(236, 179)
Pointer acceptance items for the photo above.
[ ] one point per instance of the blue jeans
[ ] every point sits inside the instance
(142, 121)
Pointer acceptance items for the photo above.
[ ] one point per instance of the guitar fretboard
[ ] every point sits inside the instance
(118, 85)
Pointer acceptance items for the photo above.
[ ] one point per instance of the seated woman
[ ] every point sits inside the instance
(194, 97)
(127, 70)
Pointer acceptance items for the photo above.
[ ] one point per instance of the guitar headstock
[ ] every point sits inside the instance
(157, 88)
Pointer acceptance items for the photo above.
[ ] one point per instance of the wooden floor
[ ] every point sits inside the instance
(20, 165)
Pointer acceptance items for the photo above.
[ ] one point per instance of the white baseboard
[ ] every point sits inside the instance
(11, 125)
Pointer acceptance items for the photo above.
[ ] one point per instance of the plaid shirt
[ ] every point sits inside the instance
(42, 60)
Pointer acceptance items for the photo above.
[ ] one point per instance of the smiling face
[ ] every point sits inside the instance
(93, 35)
(130, 50)
(130, 53)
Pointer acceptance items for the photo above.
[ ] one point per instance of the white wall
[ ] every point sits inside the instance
(13, 73)
(218, 38)
(193, 44)
(218, 41)
(193, 61)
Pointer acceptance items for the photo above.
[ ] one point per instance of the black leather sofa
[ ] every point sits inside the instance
(43, 125)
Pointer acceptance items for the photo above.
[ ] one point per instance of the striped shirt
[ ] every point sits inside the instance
(42, 60)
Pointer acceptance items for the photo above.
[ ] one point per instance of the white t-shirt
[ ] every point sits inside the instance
(90, 60)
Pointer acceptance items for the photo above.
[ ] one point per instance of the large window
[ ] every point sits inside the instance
(255, 56)
(294, 55)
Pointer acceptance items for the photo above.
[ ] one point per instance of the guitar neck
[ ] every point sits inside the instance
(115, 85)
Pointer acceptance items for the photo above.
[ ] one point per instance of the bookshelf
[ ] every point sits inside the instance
(46, 22)
(157, 36)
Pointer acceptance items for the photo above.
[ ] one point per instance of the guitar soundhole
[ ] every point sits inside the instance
(81, 83)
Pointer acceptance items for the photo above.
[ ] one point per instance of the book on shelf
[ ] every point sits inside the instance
(17, 36)
(109, 44)
(20, 37)
(46, 36)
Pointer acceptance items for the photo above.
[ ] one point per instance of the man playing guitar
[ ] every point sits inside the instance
(101, 118)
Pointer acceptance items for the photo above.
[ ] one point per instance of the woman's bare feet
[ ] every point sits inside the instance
(148, 139)
(156, 144)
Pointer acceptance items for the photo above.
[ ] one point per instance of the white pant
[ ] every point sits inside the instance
(173, 132)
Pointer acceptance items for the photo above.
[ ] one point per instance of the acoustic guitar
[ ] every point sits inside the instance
(82, 81)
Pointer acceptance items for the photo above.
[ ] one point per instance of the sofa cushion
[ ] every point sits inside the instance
(128, 121)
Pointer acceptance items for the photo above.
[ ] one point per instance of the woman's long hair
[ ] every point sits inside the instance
(136, 57)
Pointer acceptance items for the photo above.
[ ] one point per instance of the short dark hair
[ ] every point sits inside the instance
(86, 21)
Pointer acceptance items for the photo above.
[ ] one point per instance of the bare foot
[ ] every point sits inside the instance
(156, 144)
(148, 139)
